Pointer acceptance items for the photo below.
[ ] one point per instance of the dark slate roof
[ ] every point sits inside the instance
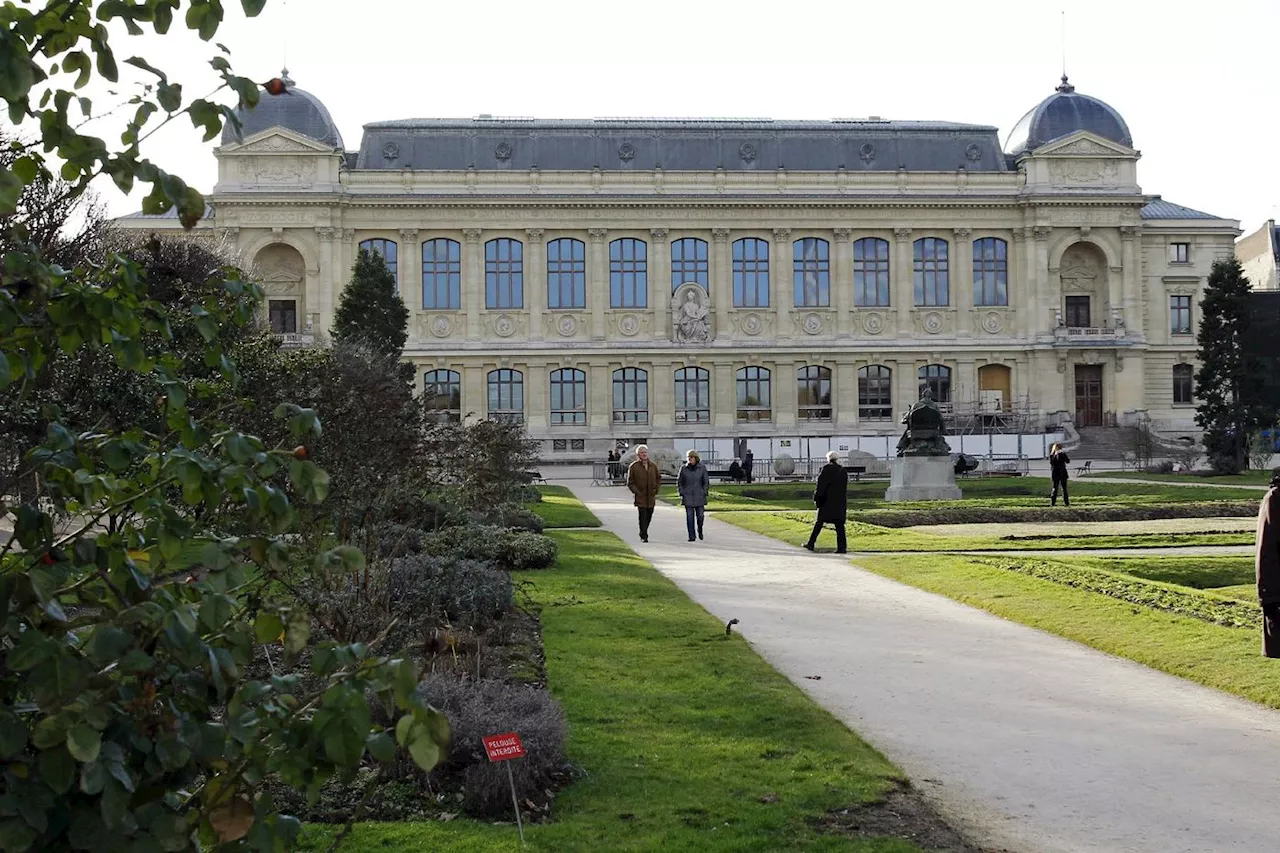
(296, 110)
(1158, 208)
(1063, 113)
(679, 144)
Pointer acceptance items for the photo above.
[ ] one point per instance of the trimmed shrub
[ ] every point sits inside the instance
(478, 708)
(425, 589)
(943, 514)
(526, 493)
(513, 550)
(513, 516)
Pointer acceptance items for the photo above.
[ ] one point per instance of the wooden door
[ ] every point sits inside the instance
(1078, 312)
(1088, 395)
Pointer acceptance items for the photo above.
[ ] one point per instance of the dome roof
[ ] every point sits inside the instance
(296, 110)
(1064, 113)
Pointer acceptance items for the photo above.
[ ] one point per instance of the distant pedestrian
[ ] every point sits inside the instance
(693, 485)
(1058, 462)
(1268, 567)
(644, 479)
(748, 461)
(831, 497)
(735, 471)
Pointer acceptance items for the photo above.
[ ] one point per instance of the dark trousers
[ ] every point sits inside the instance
(746, 469)
(1059, 480)
(646, 516)
(1271, 630)
(841, 543)
(693, 516)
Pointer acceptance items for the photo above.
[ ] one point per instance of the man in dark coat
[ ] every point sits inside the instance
(748, 460)
(1268, 567)
(832, 500)
(644, 480)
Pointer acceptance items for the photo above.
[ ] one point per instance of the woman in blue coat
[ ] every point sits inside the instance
(693, 485)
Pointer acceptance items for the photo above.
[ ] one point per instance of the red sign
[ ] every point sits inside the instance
(502, 747)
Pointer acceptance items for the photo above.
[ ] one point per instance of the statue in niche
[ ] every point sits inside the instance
(923, 433)
(690, 315)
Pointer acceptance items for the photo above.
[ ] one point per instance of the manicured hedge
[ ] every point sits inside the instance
(944, 514)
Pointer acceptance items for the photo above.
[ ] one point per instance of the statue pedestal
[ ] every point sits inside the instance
(922, 478)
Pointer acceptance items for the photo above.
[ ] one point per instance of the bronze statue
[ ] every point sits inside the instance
(923, 433)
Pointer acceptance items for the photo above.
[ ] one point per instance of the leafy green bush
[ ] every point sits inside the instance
(513, 516)
(479, 708)
(513, 550)
(464, 592)
(526, 493)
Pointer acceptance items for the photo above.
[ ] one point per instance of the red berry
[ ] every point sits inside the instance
(300, 452)
(275, 86)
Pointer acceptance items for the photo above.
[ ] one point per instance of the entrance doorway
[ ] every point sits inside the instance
(1088, 395)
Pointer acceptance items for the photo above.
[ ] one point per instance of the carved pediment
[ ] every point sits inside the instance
(1084, 144)
(275, 140)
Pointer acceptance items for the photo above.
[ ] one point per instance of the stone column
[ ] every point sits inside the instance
(785, 397)
(662, 398)
(535, 280)
(724, 400)
(721, 280)
(599, 412)
(781, 280)
(901, 286)
(597, 280)
(960, 280)
(410, 272)
(537, 396)
(658, 271)
(1131, 286)
(474, 392)
(1021, 297)
(845, 405)
(472, 280)
(1045, 291)
(321, 309)
(842, 278)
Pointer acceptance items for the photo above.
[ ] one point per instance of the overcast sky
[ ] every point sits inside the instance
(1196, 82)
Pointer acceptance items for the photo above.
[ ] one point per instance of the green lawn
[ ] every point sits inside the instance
(794, 527)
(1244, 478)
(688, 740)
(1225, 658)
(1195, 572)
(979, 492)
(559, 508)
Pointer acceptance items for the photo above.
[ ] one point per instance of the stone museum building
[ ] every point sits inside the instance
(714, 281)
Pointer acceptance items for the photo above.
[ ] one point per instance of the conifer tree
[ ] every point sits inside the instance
(370, 311)
(1229, 384)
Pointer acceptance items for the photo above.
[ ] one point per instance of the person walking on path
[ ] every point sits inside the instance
(748, 461)
(1058, 462)
(644, 479)
(693, 485)
(831, 497)
(1268, 567)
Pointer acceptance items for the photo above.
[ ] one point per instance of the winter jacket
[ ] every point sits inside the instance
(1268, 548)
(644, 479)
(831, 493)
(693, 484)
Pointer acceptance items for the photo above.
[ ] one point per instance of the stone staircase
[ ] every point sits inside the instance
(1108, 444)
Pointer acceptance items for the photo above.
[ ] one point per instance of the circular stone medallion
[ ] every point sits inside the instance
(873, 324)
(504, 326)
(566, 326)
(812, 324)
(441, 327)
(932, 322)
(752, 324)
(629, 325)
(992, 323)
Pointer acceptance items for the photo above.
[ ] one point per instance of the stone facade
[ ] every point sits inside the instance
(1069, 293)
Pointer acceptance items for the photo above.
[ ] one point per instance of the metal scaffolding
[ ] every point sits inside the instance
(1019, 416)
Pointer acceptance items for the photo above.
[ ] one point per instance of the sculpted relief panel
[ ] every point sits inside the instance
(1066, 173)
(281, 270)
(691, 315)
(285, 170)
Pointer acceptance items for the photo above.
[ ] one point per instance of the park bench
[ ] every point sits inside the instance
(535, 477)
(857, 471)
(721, 474)
(1084, 469)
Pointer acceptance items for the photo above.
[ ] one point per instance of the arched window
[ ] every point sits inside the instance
(385, 249)
(442, 395)
(811, 273)
(504, 274)
(688, 262)
(750, 273)
(693, 395)
(937, 378)
(628, 273)
(755, 395)
(932, 284)
(441, 275)
(568, 396)
(506, 395)
(871, 272)
(630, 396)
(566, 273)
(1183, 384)
(875, 393)
(813, 391)
(990, 271)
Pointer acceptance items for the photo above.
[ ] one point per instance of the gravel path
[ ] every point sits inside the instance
(1026, 741)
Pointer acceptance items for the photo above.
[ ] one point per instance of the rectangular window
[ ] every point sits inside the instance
(755, 398)
(630, 396)
(1183, 379)
(628, 274)
(811, 273)
(813, 393)
(693, 395)
(750, 273)
(566, 274)
(283, 314)
(689, 262)
(1179, 253)
(871, 273)
(441, 275)
(559, 445)
(990, 271)
(568, 396)
(875, 393)
(442, 395)
(503, 274)
(577, 444)
(932, 285)
(1078, 312)
(1180, 315)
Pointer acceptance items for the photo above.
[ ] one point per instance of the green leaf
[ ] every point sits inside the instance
(10, 192)
(252, 8)
(418, 733)
(84, 743)
(352, 557)
(139, 62)
(382, 747)
(343, 744)
(267, 627)
(16, 836)
(169, 95)
(107, 644)
(93, 778)
(58, 769)
(13, 734)
(297, 632)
